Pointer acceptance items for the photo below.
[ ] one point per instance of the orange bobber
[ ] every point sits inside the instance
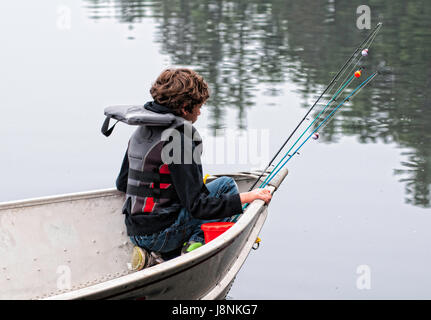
(358, 73)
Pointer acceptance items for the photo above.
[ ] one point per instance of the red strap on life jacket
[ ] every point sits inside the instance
(149, 203)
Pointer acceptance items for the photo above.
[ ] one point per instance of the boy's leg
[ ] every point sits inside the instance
(222, 185)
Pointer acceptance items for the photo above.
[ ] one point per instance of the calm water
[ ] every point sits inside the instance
(359, 196)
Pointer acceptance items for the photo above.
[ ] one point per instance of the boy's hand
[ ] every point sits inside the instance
(248, 197)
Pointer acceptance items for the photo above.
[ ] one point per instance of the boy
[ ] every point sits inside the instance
(166, 199)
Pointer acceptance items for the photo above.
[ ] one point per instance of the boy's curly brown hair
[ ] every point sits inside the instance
(178, 88)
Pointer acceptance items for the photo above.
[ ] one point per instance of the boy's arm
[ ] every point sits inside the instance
(194, 195)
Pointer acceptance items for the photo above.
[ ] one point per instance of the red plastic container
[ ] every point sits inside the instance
(213, 229)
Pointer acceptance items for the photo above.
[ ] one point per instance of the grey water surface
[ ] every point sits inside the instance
(351, 220)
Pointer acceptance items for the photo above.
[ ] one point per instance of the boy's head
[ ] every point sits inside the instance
(182, 90)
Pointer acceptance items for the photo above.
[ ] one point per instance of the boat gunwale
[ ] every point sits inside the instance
(83, 195)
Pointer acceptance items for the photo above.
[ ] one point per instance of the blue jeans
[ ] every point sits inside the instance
(185, 228)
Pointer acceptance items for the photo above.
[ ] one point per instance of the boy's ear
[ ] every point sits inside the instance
(184, 110)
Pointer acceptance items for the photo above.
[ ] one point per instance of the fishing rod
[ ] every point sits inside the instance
(327, 118)
(354, 92)
(331, 117)
(334, 98)
(361, 48)
(364, 53)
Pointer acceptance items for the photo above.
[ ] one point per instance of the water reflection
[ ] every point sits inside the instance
(239, 44)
